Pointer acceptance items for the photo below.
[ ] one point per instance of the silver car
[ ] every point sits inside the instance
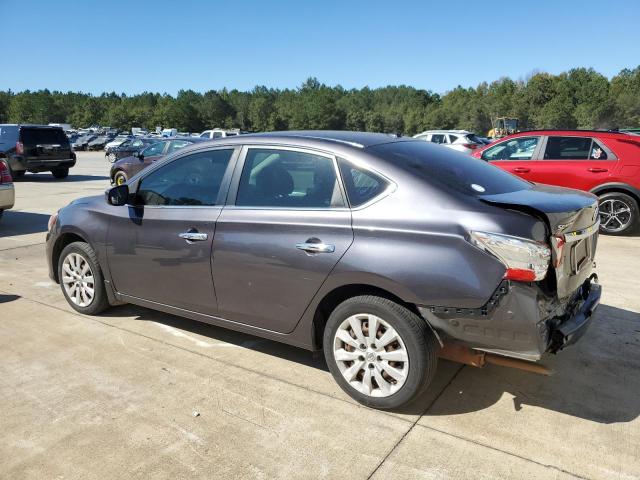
(7, 192)
(460, 140)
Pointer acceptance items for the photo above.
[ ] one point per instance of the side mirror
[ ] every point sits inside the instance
(118, 196)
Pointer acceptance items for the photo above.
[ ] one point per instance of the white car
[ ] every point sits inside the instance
(219, 133)
(461, 140)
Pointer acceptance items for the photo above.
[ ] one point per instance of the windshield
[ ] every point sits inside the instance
(461, 172)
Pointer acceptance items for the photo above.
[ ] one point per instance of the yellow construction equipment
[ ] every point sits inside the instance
(503, 126)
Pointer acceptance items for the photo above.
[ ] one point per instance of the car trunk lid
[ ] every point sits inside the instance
(572, 218)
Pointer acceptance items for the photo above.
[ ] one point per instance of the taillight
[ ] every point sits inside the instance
(53, 219)
(525, 260)
(558, 242)
(471, 146)
(19, 148)
(5, 174)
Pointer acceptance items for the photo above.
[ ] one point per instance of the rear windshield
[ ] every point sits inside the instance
(461, 172)
(472, 137)
(45, 136)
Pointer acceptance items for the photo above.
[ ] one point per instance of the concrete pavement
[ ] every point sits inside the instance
(138, 393)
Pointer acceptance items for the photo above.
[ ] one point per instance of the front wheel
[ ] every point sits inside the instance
(380, 353)
(81, 279)
(618, 213)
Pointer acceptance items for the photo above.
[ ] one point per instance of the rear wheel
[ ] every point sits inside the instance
(379, 352)
(618, 213)
(81, 279)
(60, 172)
(17, 174)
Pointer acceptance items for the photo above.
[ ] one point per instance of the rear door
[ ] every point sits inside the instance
(44, 144)
(279, 236)
(574, 161)
(517, 155)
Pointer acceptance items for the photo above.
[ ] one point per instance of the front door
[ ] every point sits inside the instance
(277, 244)
(160, 249)
(517, 155)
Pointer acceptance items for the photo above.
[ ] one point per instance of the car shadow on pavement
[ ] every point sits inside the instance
(595, 379)
(46, 177)
(245, 340)
(8, 298)
(21, 223)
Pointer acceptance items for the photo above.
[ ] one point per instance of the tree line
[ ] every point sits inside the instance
(579, 98)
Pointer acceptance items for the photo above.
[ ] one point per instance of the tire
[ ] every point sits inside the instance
(416, 342)
(120, 178)
(60, 173)
(17, 174)
(72, 260)
(618, 213)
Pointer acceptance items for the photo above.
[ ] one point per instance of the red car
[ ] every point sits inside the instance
(606, 163)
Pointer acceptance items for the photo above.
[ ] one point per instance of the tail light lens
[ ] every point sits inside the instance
(5, 174)
(19, 148)
(53, 219)
(525, 260)
(471, 146)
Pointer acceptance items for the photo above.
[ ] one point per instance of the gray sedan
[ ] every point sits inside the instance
(384, 252)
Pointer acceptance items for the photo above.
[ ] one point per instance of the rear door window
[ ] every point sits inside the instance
(155, 149)
(8, 136)
(177, 145)
(519, 148)
(288, 179)
(438, 138)
(568, 148)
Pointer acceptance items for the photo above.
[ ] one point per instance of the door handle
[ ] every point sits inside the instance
(316, 247)
(521, 170)
(193, 236)
(597, 170)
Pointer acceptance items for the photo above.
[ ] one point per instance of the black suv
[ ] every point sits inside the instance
(36, 148)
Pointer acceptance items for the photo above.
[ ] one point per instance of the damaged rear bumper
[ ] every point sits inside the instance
(522, 323)
(568, 330)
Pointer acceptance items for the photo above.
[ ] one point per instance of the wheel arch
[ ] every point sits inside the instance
(339, 294)
(62, 241)
(619, 188)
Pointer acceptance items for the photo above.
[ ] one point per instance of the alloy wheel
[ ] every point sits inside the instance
(615, 215)
(78, 280)
(371, 355)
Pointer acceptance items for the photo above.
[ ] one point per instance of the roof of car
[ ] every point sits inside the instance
(569, 131)
(354, 139)
(445, 131)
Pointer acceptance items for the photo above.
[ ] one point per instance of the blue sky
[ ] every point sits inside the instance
(164, 46)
